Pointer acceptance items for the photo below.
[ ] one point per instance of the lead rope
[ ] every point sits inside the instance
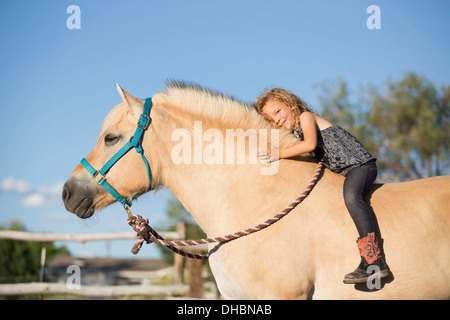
(148, 234)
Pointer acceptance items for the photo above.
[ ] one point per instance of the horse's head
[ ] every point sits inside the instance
(174, 133)
(82, 194)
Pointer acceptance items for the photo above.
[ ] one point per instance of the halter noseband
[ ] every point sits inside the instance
(135, 142)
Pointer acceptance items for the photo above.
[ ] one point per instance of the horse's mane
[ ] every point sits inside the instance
(217, 106)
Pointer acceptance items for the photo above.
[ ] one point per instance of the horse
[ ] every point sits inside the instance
(305, 254)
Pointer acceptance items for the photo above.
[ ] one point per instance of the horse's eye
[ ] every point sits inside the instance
(111, 139)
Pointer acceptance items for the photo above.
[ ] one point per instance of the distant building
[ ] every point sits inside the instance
(108, 271)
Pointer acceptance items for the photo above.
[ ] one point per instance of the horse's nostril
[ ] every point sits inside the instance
(65, 194)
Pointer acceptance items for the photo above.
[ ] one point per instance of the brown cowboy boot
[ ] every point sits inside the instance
(370, 253)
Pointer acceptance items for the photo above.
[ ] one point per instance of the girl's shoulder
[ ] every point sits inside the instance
(321, 123)
(307, 117)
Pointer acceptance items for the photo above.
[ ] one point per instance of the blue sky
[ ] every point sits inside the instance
(57, 84)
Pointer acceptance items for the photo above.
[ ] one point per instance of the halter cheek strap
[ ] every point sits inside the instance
(135, 142)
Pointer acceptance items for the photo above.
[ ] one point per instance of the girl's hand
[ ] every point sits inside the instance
(270, 155)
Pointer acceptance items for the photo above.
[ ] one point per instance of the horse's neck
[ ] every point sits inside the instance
(206, 191)
(227, 198)
(222, 198)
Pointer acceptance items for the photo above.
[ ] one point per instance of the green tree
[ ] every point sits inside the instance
(337, 107)
(20, 260)
(410, 120)
(405, 126)
(177, 213)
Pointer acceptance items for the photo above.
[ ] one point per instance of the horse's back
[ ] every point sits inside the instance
(426, 198)
(414, 221)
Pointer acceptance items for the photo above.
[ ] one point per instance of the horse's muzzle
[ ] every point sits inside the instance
(78, 196)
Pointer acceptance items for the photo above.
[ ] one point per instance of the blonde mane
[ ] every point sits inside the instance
(222, 110)
(218, 107)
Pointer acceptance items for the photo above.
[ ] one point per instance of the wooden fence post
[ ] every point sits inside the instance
(195, 277)
(179, 259)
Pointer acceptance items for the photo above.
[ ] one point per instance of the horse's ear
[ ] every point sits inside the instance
(134, 104)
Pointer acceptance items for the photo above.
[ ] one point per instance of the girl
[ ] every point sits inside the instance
(343, 154)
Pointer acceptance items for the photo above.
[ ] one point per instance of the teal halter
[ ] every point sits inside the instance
(135, 142)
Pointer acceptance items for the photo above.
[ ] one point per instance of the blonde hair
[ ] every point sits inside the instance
(297, 105)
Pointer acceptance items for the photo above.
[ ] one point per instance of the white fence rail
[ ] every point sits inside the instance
(93, 291)
(50, 237)
(178, 289)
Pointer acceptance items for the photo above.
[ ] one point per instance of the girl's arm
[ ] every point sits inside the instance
(309, 143)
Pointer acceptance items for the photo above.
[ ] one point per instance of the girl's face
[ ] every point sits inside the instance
(280, 114)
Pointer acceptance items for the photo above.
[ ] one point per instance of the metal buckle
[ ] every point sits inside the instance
(99, 177)
(144, 121)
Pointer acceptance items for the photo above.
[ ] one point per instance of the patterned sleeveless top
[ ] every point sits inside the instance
(339, 150)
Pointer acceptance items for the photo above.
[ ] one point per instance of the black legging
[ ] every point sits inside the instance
(357, 182)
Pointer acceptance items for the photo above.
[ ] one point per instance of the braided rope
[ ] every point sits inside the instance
(148, 234)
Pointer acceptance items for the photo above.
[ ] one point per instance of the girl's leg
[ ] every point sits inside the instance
(357, 183)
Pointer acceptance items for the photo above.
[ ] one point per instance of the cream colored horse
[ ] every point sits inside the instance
(307, 253)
